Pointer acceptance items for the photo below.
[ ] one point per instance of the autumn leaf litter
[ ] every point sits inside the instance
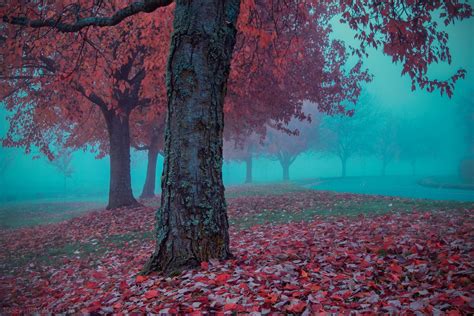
(412, 263)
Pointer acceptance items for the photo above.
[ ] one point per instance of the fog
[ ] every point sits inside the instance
(445, 120)
(236, 157)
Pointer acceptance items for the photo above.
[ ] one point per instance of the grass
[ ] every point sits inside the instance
(23, 214)
(53, 256)
(346, 208)
(263, 189)
(27, 214)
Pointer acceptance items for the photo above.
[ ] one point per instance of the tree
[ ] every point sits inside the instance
(147, 134)
(6, 158)
(347, 136)
(113, 74)
(466, 164)
(288, 71)
(63, 163)
(243, 151)
(192, 221)
(386, 143)
(285, 148)
(415, 142)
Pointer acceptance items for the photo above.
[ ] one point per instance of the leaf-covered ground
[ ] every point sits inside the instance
(23, 214)
(295, 252)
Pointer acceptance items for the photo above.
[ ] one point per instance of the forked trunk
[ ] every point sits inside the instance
(192, 224)
(120, 189)
(150, 180)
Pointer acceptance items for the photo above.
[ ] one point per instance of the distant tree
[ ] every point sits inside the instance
(347, 136)
(6, 159)
(466, 164)
(292, 75)
(62, 161)
(244, 151)
(385, 145)
(147, 129)
(415, 143)
(467, 117)
(285, 147)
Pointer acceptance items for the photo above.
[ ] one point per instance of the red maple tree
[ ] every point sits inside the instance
(92, 98)
(198, 68)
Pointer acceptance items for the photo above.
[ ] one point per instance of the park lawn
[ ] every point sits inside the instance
(296, 250)
(30, 213)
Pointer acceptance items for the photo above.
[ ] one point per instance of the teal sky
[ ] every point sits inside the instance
(439, 115)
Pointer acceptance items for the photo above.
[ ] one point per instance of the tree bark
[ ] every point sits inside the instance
(120, 188)
(192, 224)
(248, 169)
(150, 180)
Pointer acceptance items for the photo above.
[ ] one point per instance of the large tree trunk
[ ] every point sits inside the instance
(192, 224)
(248, 169)
(120, 189)
(150, 180)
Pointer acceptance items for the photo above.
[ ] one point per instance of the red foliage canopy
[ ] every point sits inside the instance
(61, 82)
(282, 50)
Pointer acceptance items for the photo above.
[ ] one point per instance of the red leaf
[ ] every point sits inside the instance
(123, 285)
(91, 285)
(151, 294)
(396, 268)
(222, 278)
(296, 306)
(230, 306)
(304, 274)
(98, 275)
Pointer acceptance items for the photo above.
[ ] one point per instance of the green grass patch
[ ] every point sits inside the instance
(17, 215)
(263, 189)
(346, 208)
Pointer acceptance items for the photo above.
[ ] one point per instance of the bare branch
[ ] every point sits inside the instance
(94, 98)
(134, 8)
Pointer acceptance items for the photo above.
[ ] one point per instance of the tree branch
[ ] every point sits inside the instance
(94, 98)
(134, 8)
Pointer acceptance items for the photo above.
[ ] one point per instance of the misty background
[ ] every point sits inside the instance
(30, 177)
